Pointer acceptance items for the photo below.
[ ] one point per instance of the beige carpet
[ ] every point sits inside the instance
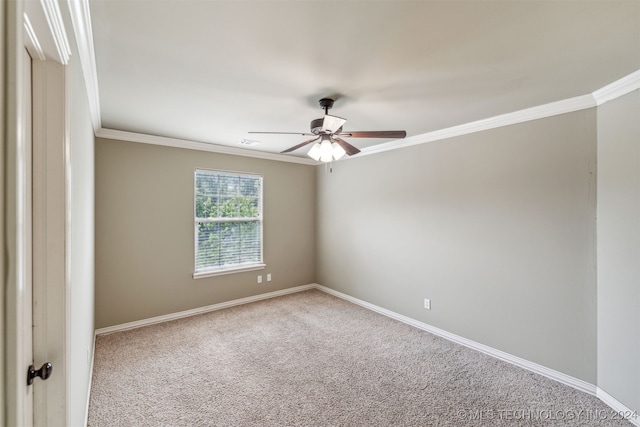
(310, 359)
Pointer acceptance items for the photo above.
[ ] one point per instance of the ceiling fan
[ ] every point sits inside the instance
(328, 133)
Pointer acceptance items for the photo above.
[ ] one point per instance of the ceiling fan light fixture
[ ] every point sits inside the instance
(314, 153)
(326, 150)
(338, 151)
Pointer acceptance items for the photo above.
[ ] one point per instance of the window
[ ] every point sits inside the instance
(228, 222)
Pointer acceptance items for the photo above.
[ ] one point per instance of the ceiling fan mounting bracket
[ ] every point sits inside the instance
(326, 104)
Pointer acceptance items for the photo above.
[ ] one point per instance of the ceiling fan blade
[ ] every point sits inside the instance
(286, 133)
(302, 144)
(331, 124)
(350, 149)
(376, 134)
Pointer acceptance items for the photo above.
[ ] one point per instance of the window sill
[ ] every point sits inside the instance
(203, 274)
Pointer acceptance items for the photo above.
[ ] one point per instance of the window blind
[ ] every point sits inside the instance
(228, 220)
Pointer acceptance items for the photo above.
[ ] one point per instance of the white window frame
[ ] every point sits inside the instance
(237, 268)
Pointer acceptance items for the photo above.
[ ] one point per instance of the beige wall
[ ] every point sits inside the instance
(619, 249)
(497, 228)
(144, 230)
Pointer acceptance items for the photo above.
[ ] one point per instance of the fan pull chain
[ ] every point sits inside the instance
(328, 167)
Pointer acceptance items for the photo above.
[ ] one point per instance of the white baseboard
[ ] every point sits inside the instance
(200, 310)
(576, 383)
(619, 408)
(523, 363)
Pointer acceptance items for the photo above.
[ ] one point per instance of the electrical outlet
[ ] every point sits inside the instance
(427, 303)
(260, 279)
(269, 277)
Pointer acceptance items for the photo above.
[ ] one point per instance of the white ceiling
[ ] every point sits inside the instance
(211, 71)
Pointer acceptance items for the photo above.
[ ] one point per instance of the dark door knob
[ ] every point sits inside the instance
(44, 372)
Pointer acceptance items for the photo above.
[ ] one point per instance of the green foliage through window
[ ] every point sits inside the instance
(228, 220)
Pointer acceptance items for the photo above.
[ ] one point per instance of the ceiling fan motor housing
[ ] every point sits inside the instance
(317, 128)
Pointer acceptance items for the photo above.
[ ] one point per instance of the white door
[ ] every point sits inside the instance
(49, 282)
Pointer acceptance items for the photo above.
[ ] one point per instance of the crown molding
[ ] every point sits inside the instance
(610, 92)
(528, 114)
(80, 17)
(618, 88)
(33, 44)
(46, 35)
(56, 26)
(200, 146)
(81, 22)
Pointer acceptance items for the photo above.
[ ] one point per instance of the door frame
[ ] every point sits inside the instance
(36, 26)
(16, 404)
